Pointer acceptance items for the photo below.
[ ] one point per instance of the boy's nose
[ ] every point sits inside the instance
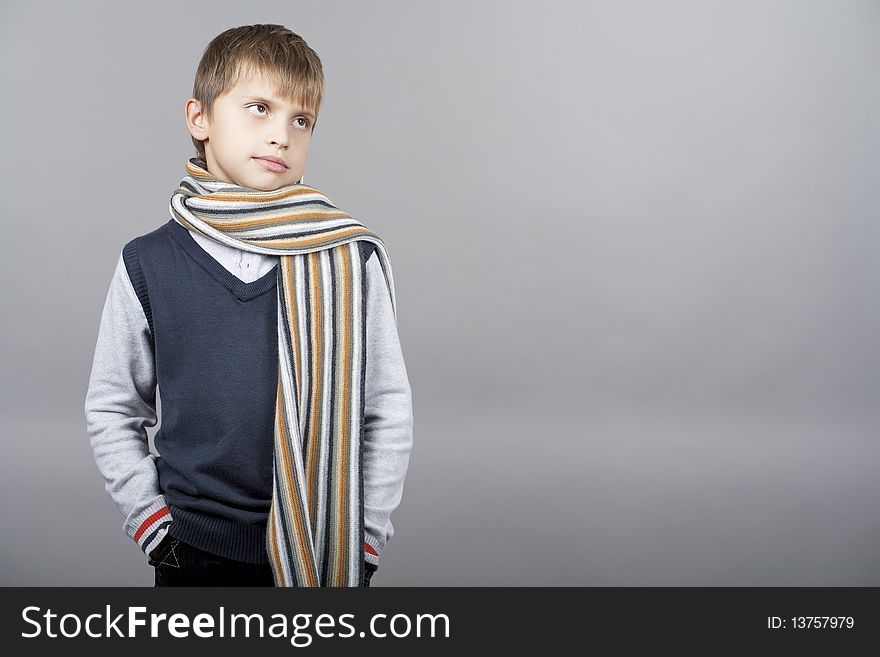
(278, 135)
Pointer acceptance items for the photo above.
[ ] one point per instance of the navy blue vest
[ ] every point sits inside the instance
(215, 342)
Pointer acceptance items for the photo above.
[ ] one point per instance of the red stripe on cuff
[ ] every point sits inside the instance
(369, 548)
(149, 522)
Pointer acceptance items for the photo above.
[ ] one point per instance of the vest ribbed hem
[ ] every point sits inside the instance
(221, 536)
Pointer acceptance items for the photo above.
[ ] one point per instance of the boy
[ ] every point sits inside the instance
(267, 317)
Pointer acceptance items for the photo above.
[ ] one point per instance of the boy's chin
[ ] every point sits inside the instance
(268, 183)
(264, 188)
(263, 185)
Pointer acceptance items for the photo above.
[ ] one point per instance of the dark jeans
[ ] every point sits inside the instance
(180, 564)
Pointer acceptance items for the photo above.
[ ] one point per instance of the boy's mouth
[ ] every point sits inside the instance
(271, 164)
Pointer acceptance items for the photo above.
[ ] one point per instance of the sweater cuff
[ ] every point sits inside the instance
(150, 526)
(372, 550)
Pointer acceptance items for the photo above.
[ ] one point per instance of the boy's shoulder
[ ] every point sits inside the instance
(368, 248)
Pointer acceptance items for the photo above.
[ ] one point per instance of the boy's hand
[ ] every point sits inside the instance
(155, 551)
(369, 569)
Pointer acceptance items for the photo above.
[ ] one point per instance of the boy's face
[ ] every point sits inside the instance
(248, 123)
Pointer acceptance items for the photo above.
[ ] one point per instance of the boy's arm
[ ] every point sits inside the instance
(388, 416)
(120, 403)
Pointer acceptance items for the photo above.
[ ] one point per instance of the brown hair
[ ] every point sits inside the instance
(271, 50)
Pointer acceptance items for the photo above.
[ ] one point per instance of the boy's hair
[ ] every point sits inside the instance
(272, 50)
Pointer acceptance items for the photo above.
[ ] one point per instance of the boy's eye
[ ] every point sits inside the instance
(299, 118)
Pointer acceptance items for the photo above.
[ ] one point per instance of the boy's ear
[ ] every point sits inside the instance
(196, 121)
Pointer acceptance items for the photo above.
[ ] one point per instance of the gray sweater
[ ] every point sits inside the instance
(120, 402)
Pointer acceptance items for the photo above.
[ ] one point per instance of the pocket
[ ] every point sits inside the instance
(167, 555)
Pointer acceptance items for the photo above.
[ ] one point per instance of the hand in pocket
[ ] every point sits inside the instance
(158, 551)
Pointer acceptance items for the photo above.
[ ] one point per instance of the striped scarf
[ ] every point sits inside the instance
(315, 532)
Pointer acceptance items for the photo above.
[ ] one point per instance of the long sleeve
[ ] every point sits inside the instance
(120, 404)
(388, 416)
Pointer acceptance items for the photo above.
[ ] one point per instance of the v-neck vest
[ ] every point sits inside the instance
(215, 342)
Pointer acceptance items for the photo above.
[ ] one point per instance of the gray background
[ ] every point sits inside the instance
(636, 254)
